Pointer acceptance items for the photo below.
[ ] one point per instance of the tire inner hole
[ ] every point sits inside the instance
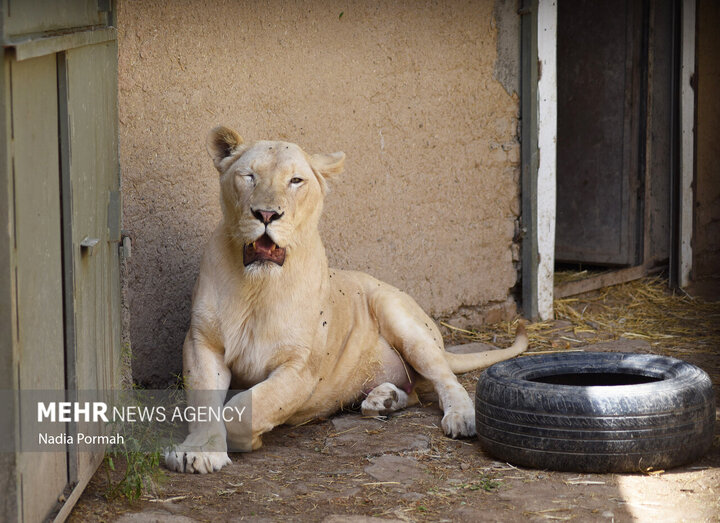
(595, 379)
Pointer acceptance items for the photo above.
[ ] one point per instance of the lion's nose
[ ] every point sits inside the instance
(266, 216)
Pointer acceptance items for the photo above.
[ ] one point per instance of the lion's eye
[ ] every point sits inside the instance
(296, 181)
(249, 177)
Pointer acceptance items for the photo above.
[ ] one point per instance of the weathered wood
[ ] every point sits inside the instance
(38, 287)
(82, 482)
(592, 283)
(529, 158)
(547, 87)
(38, 16)
(59, 309)
(687, 141)
(599, 110)
(10, 499)
(92, 116)
(34, 47)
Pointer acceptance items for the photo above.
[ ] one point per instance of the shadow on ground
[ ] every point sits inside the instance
(355, 469)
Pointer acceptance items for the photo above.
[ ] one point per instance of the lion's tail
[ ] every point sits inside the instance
(460, 363)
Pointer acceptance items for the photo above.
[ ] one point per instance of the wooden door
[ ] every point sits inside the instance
(599, 65)
(88, 80)
(24, 17)
(38, 268)
(60, 218)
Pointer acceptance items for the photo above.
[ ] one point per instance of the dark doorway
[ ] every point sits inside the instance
(617, 149)
(601, 64)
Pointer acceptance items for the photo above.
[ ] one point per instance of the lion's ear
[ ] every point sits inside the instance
(328, 165)
(222, 143)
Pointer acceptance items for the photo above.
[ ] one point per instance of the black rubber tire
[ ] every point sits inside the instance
(595, 428)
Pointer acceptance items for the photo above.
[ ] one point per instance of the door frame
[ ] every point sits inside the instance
(538, 78)
(538, 157)
(687, 142)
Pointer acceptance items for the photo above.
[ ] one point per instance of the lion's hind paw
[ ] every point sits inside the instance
(383, 400)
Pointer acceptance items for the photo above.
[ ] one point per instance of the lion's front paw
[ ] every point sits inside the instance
(458, 424)
(459, 419)
(199, 454)
(383, 400)
(196, 462)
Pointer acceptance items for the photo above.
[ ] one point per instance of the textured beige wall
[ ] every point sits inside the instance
(706, 241)
(429, 199)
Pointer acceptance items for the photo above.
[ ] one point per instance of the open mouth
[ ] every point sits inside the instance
(263, 250)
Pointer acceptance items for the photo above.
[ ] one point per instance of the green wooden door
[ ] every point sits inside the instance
(38, 268)
(59, 232)
(89, 78)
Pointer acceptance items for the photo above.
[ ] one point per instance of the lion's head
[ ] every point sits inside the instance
(271, 193)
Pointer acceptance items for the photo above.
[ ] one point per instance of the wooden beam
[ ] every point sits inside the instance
(34, 47)
(529, 157)
(547, 147)
(687, 139)
(87, 474)
(605, 279)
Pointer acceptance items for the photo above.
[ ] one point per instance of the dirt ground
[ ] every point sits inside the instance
(355, 469)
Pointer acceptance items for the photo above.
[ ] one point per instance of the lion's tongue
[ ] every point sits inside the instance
(263, 249)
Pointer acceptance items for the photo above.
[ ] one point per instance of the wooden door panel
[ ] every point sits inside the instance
(60, 155)
(36, 16)
(91, 110)
(38, 278)
(598, 115)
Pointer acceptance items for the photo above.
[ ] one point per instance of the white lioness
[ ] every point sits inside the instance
(270, 316)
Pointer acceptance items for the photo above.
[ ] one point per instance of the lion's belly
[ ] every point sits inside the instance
(353, 378)
(356, 358)
(393, 370)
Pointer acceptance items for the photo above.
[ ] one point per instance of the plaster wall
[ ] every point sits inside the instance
(408, 90)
